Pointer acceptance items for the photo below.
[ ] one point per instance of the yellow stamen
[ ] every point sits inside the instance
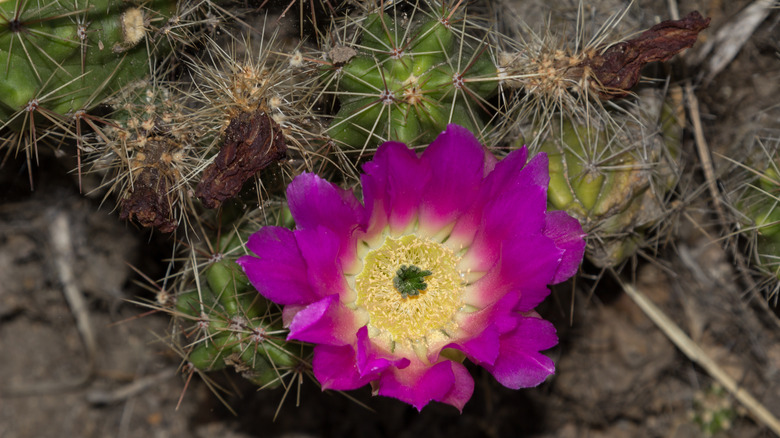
(426, 319)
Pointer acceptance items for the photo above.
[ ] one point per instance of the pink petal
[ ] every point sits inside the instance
(418, 384)
(527, 265)
(392, 185)
(335, 368)
(456, 160)
(288, 313)
(468, 224)
(490, 162)
(567, 234)
(371, 360)
(343, 368)
(482, 348)
(315, 202)
(327, 321)
(462, 387)
(518, 210)
(519, 363)
(279, 271)
(320, 248)
(480, 331)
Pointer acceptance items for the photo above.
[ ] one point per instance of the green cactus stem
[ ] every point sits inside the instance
(224, 321)
(614, 178)
(60, 59)
(758, 203)
(64, 53)
(408, 78)
(234, 328)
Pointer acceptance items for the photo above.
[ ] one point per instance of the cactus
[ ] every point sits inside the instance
(181, 152)
(547, 74)
(408, 77)
(615, 181)
(174, 148)
(233, 326)
(225, 322)
(146, 153)
(755, 193)
(60, 59)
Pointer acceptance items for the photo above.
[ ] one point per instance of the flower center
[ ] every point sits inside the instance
(409, 280)
(405, 303)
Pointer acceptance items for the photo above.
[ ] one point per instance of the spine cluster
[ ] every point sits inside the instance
(407, 76)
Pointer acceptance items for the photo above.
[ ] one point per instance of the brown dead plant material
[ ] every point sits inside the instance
(252, 142)
(151, 197)
(617, 69)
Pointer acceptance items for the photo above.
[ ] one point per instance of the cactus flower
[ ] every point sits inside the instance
(445, 259)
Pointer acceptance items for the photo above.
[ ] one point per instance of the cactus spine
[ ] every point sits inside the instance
(616, 180)
(408, 77)
(224, 321)
(61, 59)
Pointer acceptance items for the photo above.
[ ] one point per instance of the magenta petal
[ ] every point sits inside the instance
(532, 297)
(418, 384)
(519, 209)
(482, 329)
(288, 313)
(462, 388)
(506, 170)
(392, 186)
(315, 202)
(490, 162)
(501, 172)
(371, 362)
(335, 368)
(457, 164)
(484, 347)
(342, 368)
(327, 322)
(320, 248)
(567, 234)
(279, 271)
(520, 199)
(526, 266)
(519, 363)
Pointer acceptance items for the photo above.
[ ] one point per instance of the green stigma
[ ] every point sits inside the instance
(408, 280)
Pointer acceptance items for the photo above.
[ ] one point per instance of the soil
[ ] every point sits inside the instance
(617, 374)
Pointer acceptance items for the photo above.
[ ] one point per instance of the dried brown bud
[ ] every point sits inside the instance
(252, 142)
(150, 199)
(617, 69)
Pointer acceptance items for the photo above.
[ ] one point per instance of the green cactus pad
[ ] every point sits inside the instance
(407, 80)
(224, 320)
(63, 57)
(233, 327)
(614, 177)
(758, 202)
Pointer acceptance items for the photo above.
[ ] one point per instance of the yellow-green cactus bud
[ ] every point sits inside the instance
(613, 178)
